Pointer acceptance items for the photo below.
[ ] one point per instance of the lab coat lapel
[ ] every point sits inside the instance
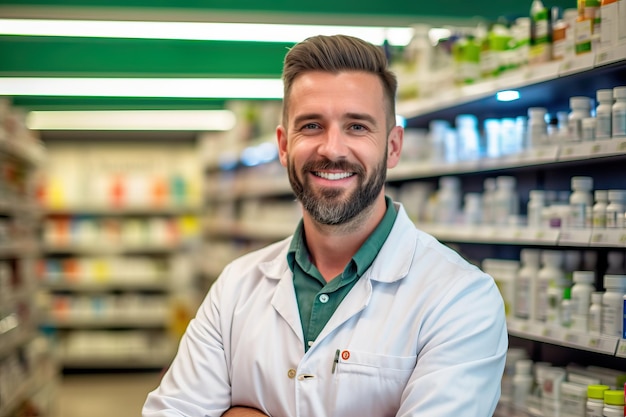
(285, 303)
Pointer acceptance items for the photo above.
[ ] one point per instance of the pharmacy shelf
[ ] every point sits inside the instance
(520, 235)
(527, 77)
(588, 152)
(249, 186)
(109, 249)
(26, 151)
(13, 339)
(122, 211)
(78, 284)
(123, 362)
(117, 322)
(540, 332)
(23, 248)
(18, 206)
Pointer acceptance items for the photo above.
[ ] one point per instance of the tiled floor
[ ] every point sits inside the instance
(104, 395)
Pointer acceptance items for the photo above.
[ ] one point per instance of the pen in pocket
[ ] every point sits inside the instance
(335, 361)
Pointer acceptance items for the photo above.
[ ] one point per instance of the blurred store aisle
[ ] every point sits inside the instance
(104, 395)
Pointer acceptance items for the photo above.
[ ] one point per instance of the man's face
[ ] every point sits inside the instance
(335, 146)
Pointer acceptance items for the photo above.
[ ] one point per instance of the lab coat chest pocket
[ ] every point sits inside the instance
(376, 380)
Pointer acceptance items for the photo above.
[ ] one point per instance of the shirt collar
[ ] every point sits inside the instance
(298, 252)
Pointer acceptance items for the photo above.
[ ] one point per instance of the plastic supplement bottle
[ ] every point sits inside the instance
(580, 109)
(537, 134)
(551, 273)
(613, 305)
(526, 283)
(506, 201)
(613, 403)
(595, 313)
(448, 200)
(534, 211)
(598, 220)
(588, 130)
(522, 382)
(580, 201)
(615, 209)
(619, 112)
(595, 400)
(604, 113)
(581, 298)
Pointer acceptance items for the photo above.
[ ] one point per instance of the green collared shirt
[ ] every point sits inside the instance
(317, 299)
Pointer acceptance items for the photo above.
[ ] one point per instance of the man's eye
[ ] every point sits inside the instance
(310, 126)
(358, 128)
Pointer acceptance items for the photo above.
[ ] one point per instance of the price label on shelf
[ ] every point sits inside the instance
(608, 237)
(576, 237)
(574, 338)
(621, 349)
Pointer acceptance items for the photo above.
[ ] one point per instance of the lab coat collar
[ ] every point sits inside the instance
(391, 264)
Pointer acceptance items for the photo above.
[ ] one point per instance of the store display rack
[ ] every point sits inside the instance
(28, 369)
(110, 284)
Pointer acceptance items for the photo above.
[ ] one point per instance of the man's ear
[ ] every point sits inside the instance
(394, 146)
(281, 137)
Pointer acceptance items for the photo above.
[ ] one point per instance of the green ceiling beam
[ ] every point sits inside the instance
(113, 103)
(453, 9)
(93, 57)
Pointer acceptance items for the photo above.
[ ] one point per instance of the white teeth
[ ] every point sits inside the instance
(333, 176)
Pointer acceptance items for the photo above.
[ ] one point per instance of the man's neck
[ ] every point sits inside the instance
(332, 246)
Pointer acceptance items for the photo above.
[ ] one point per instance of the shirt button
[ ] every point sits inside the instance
(324, 298)
(291, 373)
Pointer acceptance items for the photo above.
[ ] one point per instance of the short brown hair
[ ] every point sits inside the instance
(336, 54)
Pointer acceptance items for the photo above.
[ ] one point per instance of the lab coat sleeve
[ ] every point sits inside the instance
(461, 360)
(197, 383)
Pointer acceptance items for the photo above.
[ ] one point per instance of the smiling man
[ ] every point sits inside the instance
(358, 313)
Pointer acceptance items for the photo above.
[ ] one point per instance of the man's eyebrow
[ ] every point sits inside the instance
(362, 116)
(307, 116)
(351, 116)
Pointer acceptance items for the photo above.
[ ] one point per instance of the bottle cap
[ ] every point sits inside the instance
(617, 196)
(523, 366)
(581, 102)
(537, 195)
(614, 397)
(530, 256)
(619, 92)
(582, 183)
(506, 182)
(615, 281)
(539, 112)
(596, 391)
(552, 257)
(449, 182)
(601, 195)
(584, 277)
(596, 297)
(605, 95)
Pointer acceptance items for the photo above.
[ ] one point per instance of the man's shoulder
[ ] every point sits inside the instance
(254, 258)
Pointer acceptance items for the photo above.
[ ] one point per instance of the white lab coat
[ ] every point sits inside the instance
(422, 333)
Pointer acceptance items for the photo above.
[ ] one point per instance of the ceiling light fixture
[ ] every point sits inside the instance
(249, 32)
(225, 88)
(147, 120)
(507, 95)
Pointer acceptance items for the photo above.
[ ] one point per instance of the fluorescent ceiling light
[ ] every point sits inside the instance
(507, 95)
(143, 87)
(195, 120)
(250, 32)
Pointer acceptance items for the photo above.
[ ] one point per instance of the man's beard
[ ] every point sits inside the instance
(327, 205)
